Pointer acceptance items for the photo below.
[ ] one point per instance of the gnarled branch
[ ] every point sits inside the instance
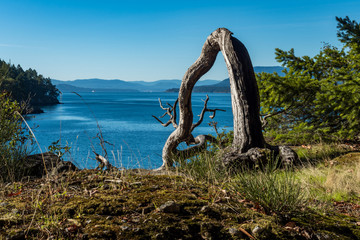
(200, 142)
(103, 162)
(205, 109)
(214, 112)
(171, 111)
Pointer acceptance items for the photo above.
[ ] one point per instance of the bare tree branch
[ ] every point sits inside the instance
(164, 124)
(171, 111)
(163, 115)
(201, 116)
(162, 107)
(205, 109)
(103, 162)
(214, 112)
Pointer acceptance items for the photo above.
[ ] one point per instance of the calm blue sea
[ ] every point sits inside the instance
(125, 119)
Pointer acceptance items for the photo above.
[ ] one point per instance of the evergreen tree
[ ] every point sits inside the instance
(319, 97)
(27, 86)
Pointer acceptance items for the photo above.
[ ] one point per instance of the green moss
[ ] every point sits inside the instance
(349, 158)
(86, 205)
(329, 226)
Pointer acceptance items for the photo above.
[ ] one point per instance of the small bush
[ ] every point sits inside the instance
(13, 140)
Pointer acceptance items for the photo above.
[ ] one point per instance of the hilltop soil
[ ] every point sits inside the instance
(91, 204)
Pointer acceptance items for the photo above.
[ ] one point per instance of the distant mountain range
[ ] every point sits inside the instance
(221, 87)
(224, 86)
(172, 85)
(115, 85)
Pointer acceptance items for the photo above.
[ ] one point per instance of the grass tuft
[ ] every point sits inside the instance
(205, 167)
(276, 190)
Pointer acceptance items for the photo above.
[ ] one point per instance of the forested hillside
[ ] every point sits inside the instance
(27, 86)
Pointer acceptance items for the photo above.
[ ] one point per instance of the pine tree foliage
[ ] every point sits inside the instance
(319, 97)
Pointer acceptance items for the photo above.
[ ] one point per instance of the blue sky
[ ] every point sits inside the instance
(152, 40)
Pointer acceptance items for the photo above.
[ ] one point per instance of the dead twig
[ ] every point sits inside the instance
(171, 111)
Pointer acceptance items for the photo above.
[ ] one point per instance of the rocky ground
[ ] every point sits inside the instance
(91, 204)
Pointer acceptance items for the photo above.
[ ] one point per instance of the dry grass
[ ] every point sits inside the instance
(321, 152)
(337, 179)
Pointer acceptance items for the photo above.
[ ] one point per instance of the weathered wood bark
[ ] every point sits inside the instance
(244, 96)
(103, 162)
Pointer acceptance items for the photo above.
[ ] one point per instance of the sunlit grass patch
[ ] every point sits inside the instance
(337, 179)
(205, 167)
(320, 152)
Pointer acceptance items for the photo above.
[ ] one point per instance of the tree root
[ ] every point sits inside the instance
(258, 157)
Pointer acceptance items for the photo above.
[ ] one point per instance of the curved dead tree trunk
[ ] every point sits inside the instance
(244, 97)
(244, 94)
